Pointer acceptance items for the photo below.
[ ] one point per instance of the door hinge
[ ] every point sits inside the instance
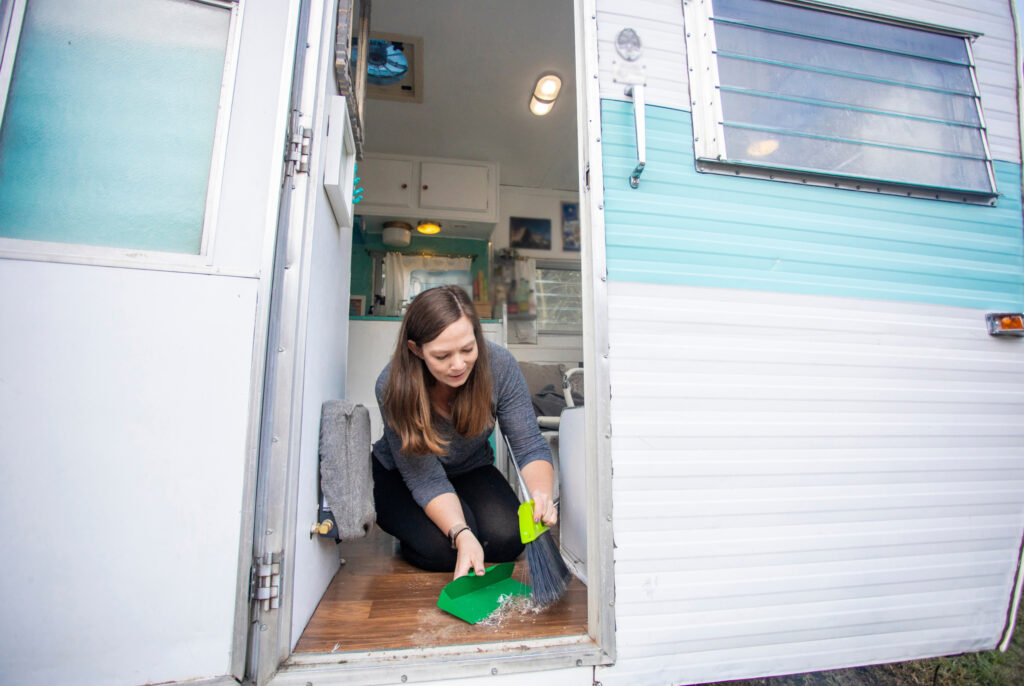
(297, 156)
(265, 581)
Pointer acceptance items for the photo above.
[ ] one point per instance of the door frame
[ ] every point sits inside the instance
(597, 647)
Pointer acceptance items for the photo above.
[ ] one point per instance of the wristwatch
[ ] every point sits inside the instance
(453, 533)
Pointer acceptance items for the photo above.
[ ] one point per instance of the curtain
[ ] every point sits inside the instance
(407, 275)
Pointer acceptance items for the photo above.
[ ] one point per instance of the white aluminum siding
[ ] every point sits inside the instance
(805, 482)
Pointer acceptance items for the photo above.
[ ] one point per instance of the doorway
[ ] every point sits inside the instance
(476, 64)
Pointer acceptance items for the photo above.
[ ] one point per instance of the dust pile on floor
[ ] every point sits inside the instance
(511, 606)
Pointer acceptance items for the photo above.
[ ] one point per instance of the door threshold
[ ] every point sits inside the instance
(441, 662)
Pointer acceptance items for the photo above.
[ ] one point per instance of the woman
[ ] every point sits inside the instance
(435, 485)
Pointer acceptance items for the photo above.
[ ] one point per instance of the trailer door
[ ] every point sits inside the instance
(140, 172)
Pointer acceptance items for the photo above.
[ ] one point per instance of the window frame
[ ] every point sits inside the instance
(12, 13)
(708, 117)
(561, 265)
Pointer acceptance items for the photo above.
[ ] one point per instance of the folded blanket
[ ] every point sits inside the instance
(345, 476)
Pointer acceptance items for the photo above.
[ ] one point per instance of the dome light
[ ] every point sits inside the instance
(544, 94)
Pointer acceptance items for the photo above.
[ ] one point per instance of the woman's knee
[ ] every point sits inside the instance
(430, 558)
(502, 546)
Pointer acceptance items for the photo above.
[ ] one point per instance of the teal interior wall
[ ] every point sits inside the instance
(682, 227)
(365, 243)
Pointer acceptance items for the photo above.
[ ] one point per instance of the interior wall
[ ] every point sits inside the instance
(534, 203)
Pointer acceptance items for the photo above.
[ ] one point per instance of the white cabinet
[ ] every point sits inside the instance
(429, 188)
(387, 184)
(455, 187)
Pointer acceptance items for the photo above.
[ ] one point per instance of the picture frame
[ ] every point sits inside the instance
(571, 226)
(525, 233)
(356, 305)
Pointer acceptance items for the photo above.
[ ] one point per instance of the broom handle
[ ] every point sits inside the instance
(512, 458)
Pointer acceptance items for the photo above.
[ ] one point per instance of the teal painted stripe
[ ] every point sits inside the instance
(681, 227)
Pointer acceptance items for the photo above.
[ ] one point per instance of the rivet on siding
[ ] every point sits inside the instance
(404, 678)
(598, 139)
(273, 439)
(600, 206)
(579, 663)
(608, 518)
(611, 603)
(494, 670)
(280, 350)
(263, 627)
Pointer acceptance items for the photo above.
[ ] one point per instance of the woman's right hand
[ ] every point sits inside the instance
(470, 555)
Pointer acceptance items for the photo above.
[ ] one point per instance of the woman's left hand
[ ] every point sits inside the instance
(544, 509)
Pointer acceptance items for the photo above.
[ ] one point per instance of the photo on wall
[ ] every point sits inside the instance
(529, 234)
(571, 226)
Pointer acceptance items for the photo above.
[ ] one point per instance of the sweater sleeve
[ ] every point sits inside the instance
(515, 410)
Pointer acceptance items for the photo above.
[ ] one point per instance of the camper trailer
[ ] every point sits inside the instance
(782, 238)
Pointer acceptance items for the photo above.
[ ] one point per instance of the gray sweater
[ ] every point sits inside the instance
(427, 475)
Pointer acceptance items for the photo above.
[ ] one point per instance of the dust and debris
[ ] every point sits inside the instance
(511, 606)
(336, 646)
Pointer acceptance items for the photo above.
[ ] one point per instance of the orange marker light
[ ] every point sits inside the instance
(1005, 324)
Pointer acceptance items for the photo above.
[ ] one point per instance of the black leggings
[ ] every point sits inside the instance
(489, 505)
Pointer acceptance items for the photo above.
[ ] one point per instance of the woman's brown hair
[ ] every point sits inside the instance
(406, 405)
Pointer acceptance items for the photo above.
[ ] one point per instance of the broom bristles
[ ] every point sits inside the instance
(549, 577)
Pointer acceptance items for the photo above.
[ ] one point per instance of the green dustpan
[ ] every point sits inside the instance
(473, 598)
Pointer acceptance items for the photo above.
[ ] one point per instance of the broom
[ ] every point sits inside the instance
(549, 576)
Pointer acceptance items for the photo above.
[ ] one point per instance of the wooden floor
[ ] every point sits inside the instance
(377, 601)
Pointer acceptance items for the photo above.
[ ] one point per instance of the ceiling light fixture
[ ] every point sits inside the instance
(544, 94)
(428, 227)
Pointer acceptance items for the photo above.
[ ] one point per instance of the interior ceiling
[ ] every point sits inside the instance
(481, 60)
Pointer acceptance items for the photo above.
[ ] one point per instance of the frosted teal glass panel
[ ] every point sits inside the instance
(108, 128)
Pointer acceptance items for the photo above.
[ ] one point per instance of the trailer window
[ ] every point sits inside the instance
(800, 94)
(108, 111)
(559, 298)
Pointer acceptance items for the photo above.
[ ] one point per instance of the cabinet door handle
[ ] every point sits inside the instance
(424, 186)
(404, 186)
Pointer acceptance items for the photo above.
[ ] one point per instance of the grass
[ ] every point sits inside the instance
(990, 668)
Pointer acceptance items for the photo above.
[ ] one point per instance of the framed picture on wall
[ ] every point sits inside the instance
(529, 234)
(571, 226)
(356, 305)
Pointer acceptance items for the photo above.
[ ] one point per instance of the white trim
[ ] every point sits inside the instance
(11, 24)
(1018, 586)
(99, 256)
(600, 547)
(708, 131)
(219, 149)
